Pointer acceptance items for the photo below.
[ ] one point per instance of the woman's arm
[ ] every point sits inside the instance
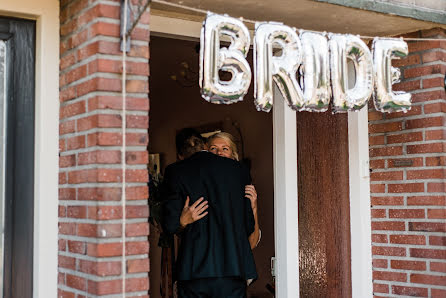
(251, 194)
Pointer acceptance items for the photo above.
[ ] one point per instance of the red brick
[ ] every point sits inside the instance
(436, 161)
(437, 240)
(424, 70)
(137, 229)
(433, 56)
(379, 238)
(377, 164)
(438, 293)
(380, 288)
(425, 122)
(435, 135)
(426, 148)
(436, 187)
(427, 253)
(67, 127)
(408, 239)
(106, 287)
(386, 151)
(408, 265)
(436, 107)
(388, 251)
(76, 142)
(138, 265)
(137, 193)
(67, 194)
(108, 212)
(77, 247)
(104, 249)
(427, 201)
(67, 228)
(115, 103)
(108, 268)
(86, 230)
(62, 244)
(406, 213)
(137, 248)
(427, 226)
(375, 115)
(62, 211)
(438, 267)
(391, 276)
(436, 213)
(77, 211)
(428, 95)
(76, 282)
(405, 138)
(378, 213)
(66, 161)
(67, 60)
(105, 29)
(388, 225)
(99, 157)
(414, 110)
(409, 60)
(137, 157)
(379, 263)
(410, 291)
(406, 187)
(62, 178)
(407, 86)
(67, 262)
(433, 82)
(385, 127)
(137, 211)
(65, 294)
(82, 176)
(387, 201)
(385, 176)
(99, 194)
(377, 188)
(428, 279)
(376, 140)
(74, 75)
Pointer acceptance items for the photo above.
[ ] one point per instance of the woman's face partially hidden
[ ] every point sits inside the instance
(220, 147)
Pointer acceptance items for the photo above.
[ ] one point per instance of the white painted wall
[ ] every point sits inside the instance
(46, 13)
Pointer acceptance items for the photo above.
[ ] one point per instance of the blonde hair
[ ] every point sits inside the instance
(229, 139)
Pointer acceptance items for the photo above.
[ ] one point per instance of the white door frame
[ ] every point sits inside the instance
(285, 184)
(46, 168)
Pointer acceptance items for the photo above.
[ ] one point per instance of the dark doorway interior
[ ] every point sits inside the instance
(19, 38)
(175, 103)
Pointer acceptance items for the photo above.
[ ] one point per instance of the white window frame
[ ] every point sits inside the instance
(46, 168)
(285, 186)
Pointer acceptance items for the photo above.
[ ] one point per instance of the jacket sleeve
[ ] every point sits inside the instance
(173, 202)
(249, 216)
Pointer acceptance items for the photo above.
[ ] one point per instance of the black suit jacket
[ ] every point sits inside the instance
(216, 245)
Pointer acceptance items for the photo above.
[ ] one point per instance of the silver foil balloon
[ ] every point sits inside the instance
(386, 100)
(342, 49)
(280, 68)
(231, 59)
(316, 71)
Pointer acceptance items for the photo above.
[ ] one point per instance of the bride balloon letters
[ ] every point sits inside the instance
(309, 68)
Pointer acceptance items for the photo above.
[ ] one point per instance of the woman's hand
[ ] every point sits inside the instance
(193, 213)
(251, 194)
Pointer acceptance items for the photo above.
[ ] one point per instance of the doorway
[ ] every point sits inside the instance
(17, 100)
(176, 103)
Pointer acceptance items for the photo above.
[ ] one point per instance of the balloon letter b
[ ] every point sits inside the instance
(231, 59)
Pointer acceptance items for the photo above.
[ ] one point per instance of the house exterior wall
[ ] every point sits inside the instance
(90, 211)
(408, 172)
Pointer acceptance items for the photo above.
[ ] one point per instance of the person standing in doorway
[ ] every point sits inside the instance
(206, 206)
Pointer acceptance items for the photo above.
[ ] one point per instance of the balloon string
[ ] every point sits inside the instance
(123, 148)
(199, 10)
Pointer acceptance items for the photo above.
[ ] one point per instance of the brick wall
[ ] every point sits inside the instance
(90, 213)
(408, 188)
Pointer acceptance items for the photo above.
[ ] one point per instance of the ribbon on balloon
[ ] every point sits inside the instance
(309, 68)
